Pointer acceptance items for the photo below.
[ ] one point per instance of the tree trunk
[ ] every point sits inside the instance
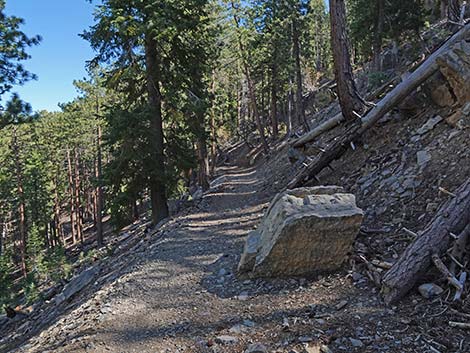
(357, 128)
(203, 162)
(21, 203)
(135, 210)
(78, 210)
(251, 87)
(213, 129)
(72, 198)
(378, 34)
(274, 82)
(57, 223)
(348, 95)
(452, 217)
(299, 106)
(157, 181)
(99, 187)
(290, 109)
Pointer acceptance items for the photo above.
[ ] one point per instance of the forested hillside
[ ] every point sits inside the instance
(193, 116)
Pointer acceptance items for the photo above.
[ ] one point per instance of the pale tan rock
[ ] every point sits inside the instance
(304, 232)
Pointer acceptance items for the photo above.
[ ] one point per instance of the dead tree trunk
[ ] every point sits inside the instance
(348, 95)
(452, 217)
(357, 128)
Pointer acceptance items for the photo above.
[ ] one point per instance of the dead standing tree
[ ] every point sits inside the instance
(352, 105)
(360, 126)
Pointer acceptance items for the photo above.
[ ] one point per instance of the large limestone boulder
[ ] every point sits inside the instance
(305, 231)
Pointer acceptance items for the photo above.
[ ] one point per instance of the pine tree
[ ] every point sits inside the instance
(13, 45)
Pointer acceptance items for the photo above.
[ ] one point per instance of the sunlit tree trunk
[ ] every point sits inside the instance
(21, 242)
(348, 95)
(72, 198)
(213, 129)
(78, 208)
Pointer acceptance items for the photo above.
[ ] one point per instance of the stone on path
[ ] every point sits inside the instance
(430, 290)
(226, 340)
(76, 285)
(256, 348)
(305, 231)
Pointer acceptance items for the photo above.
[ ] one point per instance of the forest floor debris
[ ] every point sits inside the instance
(175, 289)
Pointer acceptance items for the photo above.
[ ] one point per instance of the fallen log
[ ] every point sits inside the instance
(452, 217)
(392, 99)
(337, 119)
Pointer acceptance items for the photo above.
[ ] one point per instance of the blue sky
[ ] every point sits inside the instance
(61, 56)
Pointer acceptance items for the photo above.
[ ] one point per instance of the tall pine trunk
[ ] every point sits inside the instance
(274, 82)
(21, 242)
(213, 129)
(348, 96)
(378, 34)
(78, 208)
(99, 188)
(72, 199)
(157, 182)
(299, 106)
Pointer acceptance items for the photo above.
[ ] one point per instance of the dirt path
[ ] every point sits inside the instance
(175, 291)
(185, 287)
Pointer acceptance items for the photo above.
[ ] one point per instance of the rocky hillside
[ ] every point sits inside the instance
(174, 288)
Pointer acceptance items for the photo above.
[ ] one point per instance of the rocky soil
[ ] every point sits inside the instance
(174, 288)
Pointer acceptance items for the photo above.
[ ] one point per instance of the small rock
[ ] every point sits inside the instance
(237, 329)
(249, 323)
(305, 339)
(356, 276)
(342, 303)
(325, 349)
(285, 324)
(356, 343)
(312, 349)
(256, 348)
(432, 207)
(423, 158)
(226, 340)
(243, 296)
(430, 290)
(430, 124)
(222, 272)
